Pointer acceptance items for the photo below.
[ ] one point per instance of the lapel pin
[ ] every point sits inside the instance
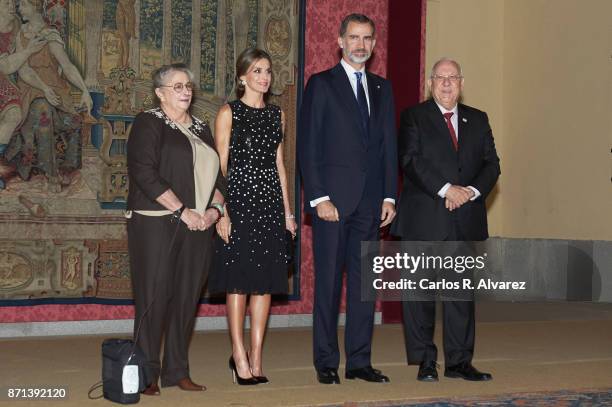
(464, 120)
(377, 86)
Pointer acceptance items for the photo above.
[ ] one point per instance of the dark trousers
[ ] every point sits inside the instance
(419, 319)
(338, 245)
(169, 266)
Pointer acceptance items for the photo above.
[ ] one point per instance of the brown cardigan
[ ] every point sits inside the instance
(160, 157)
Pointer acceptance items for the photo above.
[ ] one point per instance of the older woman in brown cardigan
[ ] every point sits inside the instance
(175, 199)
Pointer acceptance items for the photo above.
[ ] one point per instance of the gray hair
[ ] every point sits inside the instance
(356, 18)
(160, 74)
(442, 60)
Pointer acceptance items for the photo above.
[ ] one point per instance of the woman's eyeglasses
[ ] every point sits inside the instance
(178, 87)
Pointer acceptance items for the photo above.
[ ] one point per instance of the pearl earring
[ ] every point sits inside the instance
(242, 82)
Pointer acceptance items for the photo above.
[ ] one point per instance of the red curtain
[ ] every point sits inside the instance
(405, 68)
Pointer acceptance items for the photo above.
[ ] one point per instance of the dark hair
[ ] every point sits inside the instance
(356, 18)
(244, 61)
(159, 75)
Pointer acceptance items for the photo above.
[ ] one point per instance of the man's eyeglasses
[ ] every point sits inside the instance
(178, 87)
(451, 78)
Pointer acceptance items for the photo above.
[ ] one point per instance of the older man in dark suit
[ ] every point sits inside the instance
(348, 158)
(448, 158)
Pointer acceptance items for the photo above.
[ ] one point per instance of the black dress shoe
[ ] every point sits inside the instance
(328, 376)
(428, 371)
(368, 373)
(466, 371)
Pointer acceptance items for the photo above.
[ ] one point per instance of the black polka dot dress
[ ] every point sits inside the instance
(254, 260)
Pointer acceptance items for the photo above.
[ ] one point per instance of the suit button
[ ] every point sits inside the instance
(459, 169)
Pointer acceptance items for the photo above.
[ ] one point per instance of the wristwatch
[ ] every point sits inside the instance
(176, 215)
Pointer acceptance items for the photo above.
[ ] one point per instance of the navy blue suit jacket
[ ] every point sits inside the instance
(335, 154)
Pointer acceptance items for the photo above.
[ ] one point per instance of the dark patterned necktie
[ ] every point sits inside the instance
(362, 102)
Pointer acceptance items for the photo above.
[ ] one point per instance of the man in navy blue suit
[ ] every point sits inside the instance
(348, 158)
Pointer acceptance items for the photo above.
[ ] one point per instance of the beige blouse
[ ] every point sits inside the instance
(205, 168)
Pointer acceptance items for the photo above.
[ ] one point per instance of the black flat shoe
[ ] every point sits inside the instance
(428, 371)
(328, 376)
(250, 381)
(368, 373)
(467, 372)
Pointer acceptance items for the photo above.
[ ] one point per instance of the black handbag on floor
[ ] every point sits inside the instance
(118, 355)
(124, 375)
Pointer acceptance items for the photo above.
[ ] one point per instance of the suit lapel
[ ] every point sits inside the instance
(440, 124)
(374, 96)
(463, 125)
(344, 88)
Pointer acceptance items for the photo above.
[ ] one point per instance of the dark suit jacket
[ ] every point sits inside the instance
(160, 157)
(429, 160)
(334, 153)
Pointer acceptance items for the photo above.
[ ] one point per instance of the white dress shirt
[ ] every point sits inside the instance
(350, 72)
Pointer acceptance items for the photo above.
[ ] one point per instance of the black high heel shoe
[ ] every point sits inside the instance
(260, 379)
(236, 377)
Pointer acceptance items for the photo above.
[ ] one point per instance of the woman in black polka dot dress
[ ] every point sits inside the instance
(250, 259)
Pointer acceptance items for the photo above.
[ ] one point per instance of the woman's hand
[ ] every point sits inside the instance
(208, 219)
(224, 228)
(291, 225)
(191, 218)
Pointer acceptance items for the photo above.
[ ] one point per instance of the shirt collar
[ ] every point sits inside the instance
(350, 71)
(455, 109)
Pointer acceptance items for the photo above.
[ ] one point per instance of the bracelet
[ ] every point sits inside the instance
(218, 212)
(176, 215)
(290, 216)
(219, 208)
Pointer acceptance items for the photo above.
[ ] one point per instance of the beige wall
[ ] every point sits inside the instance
(541, 69)
(480, 57)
